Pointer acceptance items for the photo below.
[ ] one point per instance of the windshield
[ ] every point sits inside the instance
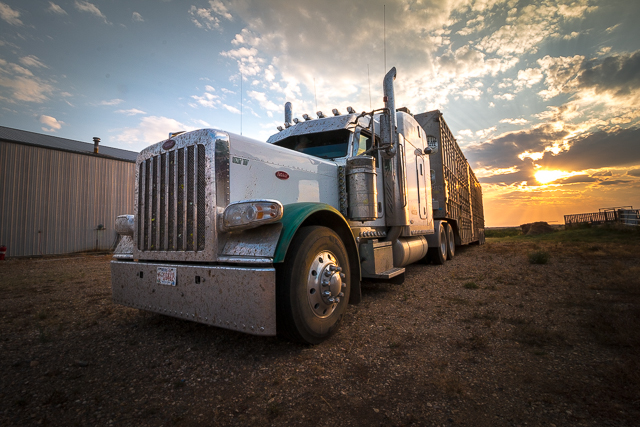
(326, 145)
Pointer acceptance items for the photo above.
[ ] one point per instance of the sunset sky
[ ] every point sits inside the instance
(542, 96)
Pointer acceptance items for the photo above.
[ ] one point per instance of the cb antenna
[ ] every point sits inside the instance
(384, 34)
(241, 102)
(315, 93)
(369, 79)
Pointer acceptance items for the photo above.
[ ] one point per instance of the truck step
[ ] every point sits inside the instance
(386, 275)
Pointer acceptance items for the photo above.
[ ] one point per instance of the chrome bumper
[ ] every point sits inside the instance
(238, 298)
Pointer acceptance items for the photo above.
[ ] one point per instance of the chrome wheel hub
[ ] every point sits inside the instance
(325, 284)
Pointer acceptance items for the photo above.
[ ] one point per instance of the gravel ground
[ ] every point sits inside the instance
(488, 339)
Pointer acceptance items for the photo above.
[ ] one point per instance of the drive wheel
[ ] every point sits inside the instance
(438, 255)
(451, 242)
(312, 289)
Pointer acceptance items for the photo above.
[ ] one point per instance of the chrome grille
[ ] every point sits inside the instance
(171, 201)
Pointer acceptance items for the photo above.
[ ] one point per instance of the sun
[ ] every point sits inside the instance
(545, 176)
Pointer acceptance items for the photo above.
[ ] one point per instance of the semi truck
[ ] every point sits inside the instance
(276, 238)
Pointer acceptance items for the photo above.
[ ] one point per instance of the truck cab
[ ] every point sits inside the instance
(274, 238)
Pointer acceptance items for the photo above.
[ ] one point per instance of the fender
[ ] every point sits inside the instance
(297, 215)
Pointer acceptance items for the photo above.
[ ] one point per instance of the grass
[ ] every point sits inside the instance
(502, 232)
(595, 236)
(539, 257)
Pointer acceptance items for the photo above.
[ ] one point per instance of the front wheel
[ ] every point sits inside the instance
(313, 286)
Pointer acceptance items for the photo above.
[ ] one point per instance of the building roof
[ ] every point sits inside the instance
(53, 142)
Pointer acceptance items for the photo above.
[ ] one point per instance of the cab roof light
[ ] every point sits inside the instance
(280, 128)
(287, 125)
(306, 117)
(296, 120)
(335, 112)
(320, 115)
(351, 110)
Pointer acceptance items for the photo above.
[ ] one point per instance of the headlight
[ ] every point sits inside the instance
(250, 214)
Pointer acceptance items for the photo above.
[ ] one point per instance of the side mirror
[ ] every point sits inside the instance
(427, 150)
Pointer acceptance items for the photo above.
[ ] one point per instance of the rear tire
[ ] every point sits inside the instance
(451, 242)
(316, 263)
(438, 254)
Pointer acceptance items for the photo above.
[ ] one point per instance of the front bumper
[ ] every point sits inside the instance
(237, 298)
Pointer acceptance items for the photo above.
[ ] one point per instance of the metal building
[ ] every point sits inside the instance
(61, 196)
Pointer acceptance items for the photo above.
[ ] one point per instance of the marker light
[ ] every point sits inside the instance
(335, 112)
(250, 214)
(296, 120)
(306, 117)
(351, 110)
(280, 129)
(320, 115)
(287, 125)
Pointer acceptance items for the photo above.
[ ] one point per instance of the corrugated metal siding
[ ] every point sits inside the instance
(49, 141)
(51, 202)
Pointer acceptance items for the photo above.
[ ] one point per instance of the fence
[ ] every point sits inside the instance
(625, 215)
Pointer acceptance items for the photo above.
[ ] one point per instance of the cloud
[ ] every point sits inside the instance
(208, 99)
(150, 130)
(597, 150)
(506, 150)
(612, 28)
(265, 103)
(617, 74)
(32, 61)
(209, 18)
(526, 27)
(515, 121)
(111, 102)
(483, 133)
(529, 77)
(634, 172)
(50, 123)
(22, 85)
(473, 26)
(576, 179)
(130, 112)
(560, 74)
(231, 109)
(614, 182)
(85, 6)
(9, 15)
(56, 9)
(505, 96)
(136, 17)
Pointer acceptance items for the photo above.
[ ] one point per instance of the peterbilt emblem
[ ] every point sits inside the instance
(282, 175)
(168, 144)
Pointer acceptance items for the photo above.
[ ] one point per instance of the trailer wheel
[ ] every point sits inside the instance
(451, 242)
(312, 289)
(438, 254)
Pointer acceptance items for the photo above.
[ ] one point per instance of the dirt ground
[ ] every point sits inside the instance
(488, 339)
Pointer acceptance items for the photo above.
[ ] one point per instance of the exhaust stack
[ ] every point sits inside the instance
(96, 143)
(394, 181)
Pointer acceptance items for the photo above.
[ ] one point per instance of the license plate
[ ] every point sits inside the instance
(167, 276)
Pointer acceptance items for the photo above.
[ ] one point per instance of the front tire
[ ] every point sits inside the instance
(313, 286)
